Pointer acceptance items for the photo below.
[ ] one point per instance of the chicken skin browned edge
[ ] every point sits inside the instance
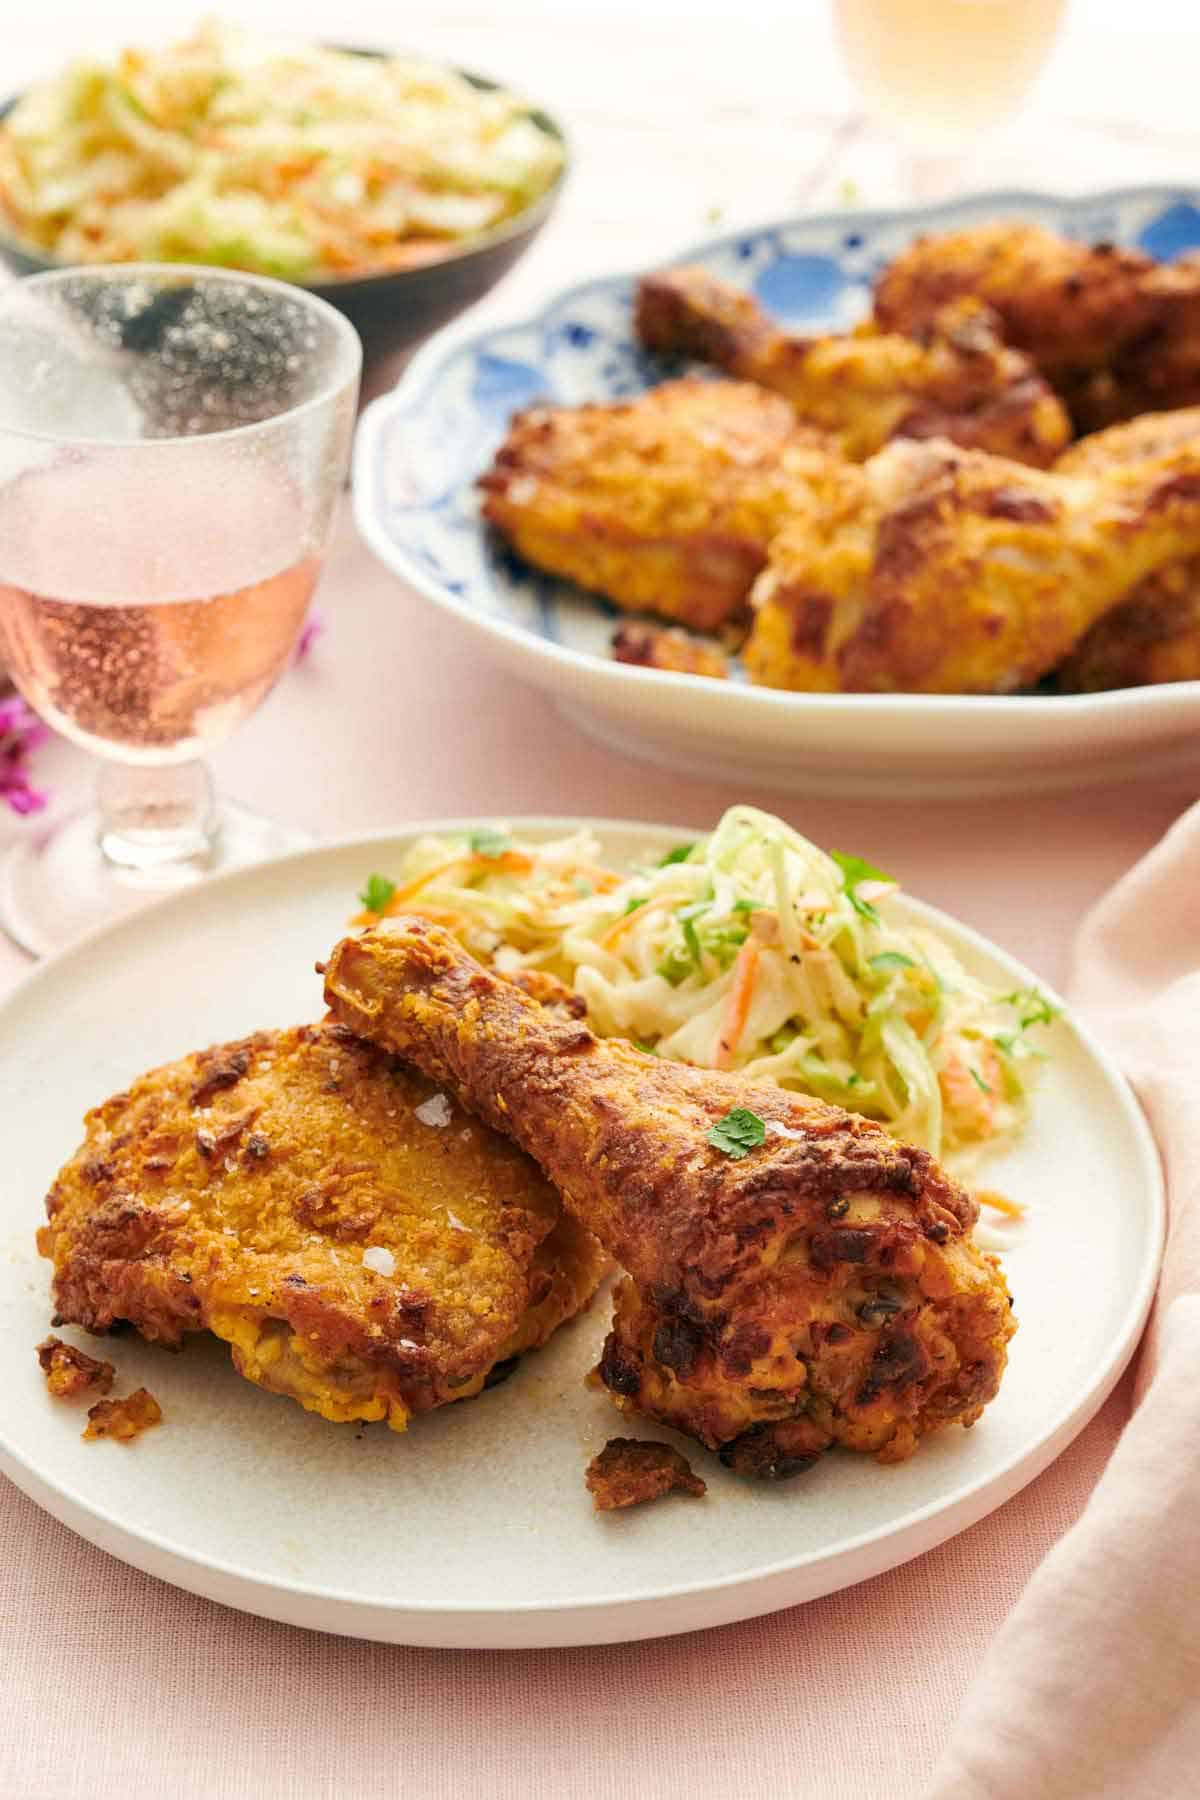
(823, 1288)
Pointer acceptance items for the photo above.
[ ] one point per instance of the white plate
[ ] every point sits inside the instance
(421, 449)
(474, 1529)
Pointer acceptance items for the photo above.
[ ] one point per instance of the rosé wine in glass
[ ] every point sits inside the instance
(162, 650)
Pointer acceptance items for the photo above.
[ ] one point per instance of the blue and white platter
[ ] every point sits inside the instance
(422, 447)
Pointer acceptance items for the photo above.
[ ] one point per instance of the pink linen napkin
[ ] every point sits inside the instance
(1092, 1687)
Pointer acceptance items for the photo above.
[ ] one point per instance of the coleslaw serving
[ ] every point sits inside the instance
(749, 949)
(280, 157)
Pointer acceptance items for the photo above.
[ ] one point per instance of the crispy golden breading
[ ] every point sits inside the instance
(629, 1471)
(1154, 635)
(665, 504)
(363, 1246)
(1071, 305)
(664, 647)
(124, 1419)
(70, 1371)
(956, 379)
(539, 984)
(823, 1289)
(1144, 439)
(950, 571)
(1117, 333)
(1161, 369)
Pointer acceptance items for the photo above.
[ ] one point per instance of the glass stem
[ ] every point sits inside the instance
(929, 176)
(155, 820)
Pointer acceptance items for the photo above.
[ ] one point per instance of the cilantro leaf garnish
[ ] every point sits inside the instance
(723, 942)
(855, 869)
(489, 843)
(680, 853)
(1033, 1008)
(377, 893)
(676, 965)
(739, 1132)
(749, 906)
(891, 959)
(687, 916)
(633, 904)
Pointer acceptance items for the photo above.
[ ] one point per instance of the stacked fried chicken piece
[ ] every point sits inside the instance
(821, 1289)
(898, 508)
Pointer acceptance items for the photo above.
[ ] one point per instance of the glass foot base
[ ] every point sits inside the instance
(57, 885)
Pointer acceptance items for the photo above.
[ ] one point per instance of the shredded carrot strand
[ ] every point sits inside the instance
(512, 862)
(622, 925)
(441, 915)
(1012, 1209)
(444, 915)
(404, 894)
(737, 1008)
(605, 880)
(601, 881)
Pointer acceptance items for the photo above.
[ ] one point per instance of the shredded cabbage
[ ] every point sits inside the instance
(750, 949)
(263, 154)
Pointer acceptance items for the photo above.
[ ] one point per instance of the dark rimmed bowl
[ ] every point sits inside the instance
(396, 309)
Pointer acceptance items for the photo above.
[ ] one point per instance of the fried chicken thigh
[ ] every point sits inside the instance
(956, 379)
(950, 571)
(822, 1289)
(665, 503)
(1116, 332)
(1154, 635)
(364, 1246)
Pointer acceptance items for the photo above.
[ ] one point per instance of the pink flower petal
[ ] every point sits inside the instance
(20, 732)
(314, 625)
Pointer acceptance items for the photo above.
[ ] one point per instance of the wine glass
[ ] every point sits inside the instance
(172, 445)
(940, 73)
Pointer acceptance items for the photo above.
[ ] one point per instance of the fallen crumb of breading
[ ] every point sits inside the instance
(630, 1470)
(123, 1419)
(662, 647)
(69, 1371)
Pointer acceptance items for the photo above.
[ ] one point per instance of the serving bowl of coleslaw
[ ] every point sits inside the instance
(398, 189)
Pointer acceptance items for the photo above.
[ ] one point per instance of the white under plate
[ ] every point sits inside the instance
(422, 448)
(474, 1529)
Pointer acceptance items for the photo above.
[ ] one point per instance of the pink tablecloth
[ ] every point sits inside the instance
(111, 1683)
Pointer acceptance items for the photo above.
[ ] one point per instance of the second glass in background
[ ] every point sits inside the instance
(939, 74)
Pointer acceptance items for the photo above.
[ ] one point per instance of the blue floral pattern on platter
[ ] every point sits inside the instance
(437, 432)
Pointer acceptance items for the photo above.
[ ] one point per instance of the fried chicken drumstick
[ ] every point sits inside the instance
(955, 379)
(823, 1289)
(1154, 634)
(950, 571)
(364, 1249)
